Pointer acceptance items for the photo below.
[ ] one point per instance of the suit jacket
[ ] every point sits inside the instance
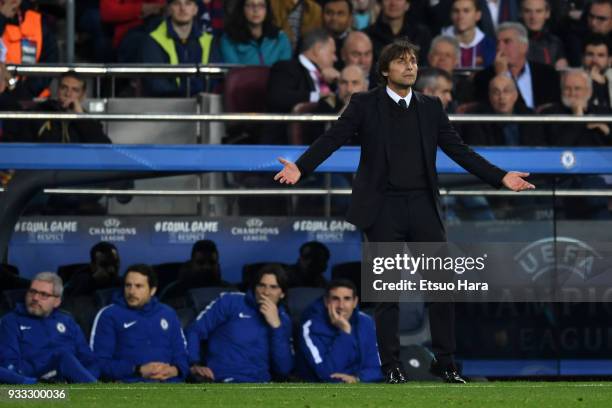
(544, 83)
(492, 134)
(289, 84)
(367, 120)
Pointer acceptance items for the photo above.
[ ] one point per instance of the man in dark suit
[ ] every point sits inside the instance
(307, 78)
(395, 193)
(538, 84)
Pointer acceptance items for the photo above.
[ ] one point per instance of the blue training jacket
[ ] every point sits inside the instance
(242, 347)
(324, 349)
(123, 338)
(29, 344)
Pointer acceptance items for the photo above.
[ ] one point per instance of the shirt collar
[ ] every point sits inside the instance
(306, 63)
(396, 97)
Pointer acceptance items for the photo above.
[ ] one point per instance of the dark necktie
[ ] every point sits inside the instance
(402, 103)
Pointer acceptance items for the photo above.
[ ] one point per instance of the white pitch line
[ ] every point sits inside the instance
(211, 387)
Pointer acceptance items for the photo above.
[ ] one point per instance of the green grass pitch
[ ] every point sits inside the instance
(418, 395)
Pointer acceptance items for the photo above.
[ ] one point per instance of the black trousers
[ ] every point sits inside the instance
(411, 217)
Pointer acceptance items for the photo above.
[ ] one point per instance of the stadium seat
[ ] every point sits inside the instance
(166, 273)
(66, 271)
(186, 316)
(295, 130)
(199, 298)
(298, 299)
(11, 297)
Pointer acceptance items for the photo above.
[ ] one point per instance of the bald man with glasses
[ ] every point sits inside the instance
(40, 343)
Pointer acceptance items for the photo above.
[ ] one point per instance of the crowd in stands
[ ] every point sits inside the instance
(307, 43)
(138, 331)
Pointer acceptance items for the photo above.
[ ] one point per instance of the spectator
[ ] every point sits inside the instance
(596, 61)
(71, 92)
(365, 13)
(136, 338)
(27, 39)
(131, 21)
(392, 23)
(99, 41)
(544, 47)
(494, 13)
(177, 40)
(598, 21)
(503, 97)
(576, 91)
(477, 49)
(436, 82)
(357, 50)
(307, 78)
(310, 266)
(249, 336)
(537, 83)
(38, 342)
(202, 270)
(338, 20)
(337, 342)
(101, 273)
(251, 38)
(210, 16)
(296, 18)
(445, 54)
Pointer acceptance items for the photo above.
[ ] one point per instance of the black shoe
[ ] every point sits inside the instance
(448, 373)
(395, 376)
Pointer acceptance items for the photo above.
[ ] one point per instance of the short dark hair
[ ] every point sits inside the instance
(597, 39)
(145, 270)
(476, 4)
(340, 283)
(73, 74)
(395, 50)
(349, 3)
(204, 245)
(103, 247)
(315, 245)
(316, 36)
(273, 269)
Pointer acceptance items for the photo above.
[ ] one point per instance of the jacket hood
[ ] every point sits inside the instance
(449, 31)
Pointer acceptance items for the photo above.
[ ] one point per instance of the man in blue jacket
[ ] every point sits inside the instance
(249, 335)
(37, 341)
(338, 342)
(137, 338)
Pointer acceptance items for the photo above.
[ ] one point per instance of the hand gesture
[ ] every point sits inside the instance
(345, 378)
(513, 180)
(500, 63)
(602, 127)
(338, 320)
(290, 174)
(269, 310)
(330, 75)
(203, 372)
(596, 75)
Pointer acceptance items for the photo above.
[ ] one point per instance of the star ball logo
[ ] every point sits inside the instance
(112, 231)
(254, 230)
(563, 255)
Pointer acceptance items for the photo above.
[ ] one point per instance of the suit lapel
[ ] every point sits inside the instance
(384, 118)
